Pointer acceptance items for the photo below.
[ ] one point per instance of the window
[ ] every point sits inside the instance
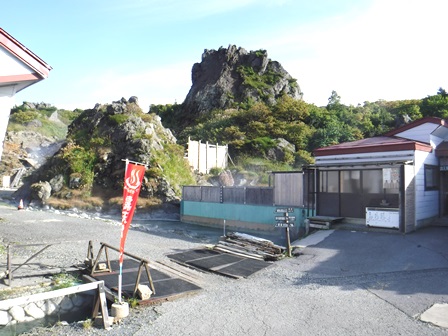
(372, 181)
(351, 181)
(431, 177)
(329, 181)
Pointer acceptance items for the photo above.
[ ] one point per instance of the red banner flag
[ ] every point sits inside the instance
(132, 183)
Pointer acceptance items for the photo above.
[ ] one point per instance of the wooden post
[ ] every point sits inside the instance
(137, 281)
(206, 157)
(199, 156)
(9, 265)
(148, 274)
(97, 259)
(90, 251)
(108, 260)
(288, 243)
(101, 303)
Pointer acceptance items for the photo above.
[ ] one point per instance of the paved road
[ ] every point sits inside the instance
(351, 283)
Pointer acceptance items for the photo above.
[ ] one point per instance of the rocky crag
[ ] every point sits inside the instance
(233, 75)
(91, 160)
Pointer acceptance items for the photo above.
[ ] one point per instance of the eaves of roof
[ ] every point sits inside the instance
(372, 145)
(433, 120)
(25, 55)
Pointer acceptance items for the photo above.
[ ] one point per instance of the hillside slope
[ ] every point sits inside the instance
(89, 167)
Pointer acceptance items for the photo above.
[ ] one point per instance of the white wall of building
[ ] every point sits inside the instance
(6, 103)
(426, 201)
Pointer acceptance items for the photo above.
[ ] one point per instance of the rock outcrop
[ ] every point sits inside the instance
(98, 142)
(229, 76)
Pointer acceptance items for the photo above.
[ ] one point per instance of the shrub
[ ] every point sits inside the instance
(118, 119)
(80, 161)
(67, 116)
(23, 117)
(215, 171)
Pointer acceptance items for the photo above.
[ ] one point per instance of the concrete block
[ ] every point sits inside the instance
(144, 292)
(102, 266)
(119, 311)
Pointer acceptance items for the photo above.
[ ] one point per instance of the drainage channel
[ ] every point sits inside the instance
(44, 309)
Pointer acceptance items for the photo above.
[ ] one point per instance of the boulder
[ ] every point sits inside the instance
(74, 181)
(281, 150)
(226, 178)
(57, 183)
(40, 191)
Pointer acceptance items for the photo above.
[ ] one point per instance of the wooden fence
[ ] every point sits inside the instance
(204, 156)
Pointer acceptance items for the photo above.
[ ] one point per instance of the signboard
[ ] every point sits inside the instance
(286, 222)
(391, 177)
(284, 210)
(284, 218)
(387, 218)
(283, 224)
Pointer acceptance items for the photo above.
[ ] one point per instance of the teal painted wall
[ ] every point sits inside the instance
(259, 217)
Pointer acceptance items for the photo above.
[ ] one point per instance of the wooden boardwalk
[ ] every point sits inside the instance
(167, 284)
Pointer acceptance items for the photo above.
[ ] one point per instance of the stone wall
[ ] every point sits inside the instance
(61, 303)
(58, 306)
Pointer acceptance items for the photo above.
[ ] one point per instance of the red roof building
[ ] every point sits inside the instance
(19, 68)
(398, 180)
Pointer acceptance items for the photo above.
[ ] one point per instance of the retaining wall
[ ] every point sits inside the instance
(61, 303)
(59, 306)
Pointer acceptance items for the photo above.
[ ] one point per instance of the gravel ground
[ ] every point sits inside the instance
(294, 296)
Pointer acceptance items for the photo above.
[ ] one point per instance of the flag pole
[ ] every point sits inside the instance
(120, 259)
(134, 162)
(133, 177)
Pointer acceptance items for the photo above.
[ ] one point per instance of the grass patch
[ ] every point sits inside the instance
(67, 199)
(142, 202)
(133, 302)
(87, 324)
(175, 168)
(19, 122)
(64, 280)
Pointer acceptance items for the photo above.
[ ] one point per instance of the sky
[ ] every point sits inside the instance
(103, 50)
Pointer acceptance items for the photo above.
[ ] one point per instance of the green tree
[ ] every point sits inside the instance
(333, 101)
(290, 110)
(435, 106)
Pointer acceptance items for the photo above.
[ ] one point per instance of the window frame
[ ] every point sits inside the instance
(434, 185)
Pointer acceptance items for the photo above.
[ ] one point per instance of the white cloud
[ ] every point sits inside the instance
(164, 85)
(394, 50)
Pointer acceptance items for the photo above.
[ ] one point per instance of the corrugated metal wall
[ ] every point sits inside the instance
(288, 189)
(235, 195)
